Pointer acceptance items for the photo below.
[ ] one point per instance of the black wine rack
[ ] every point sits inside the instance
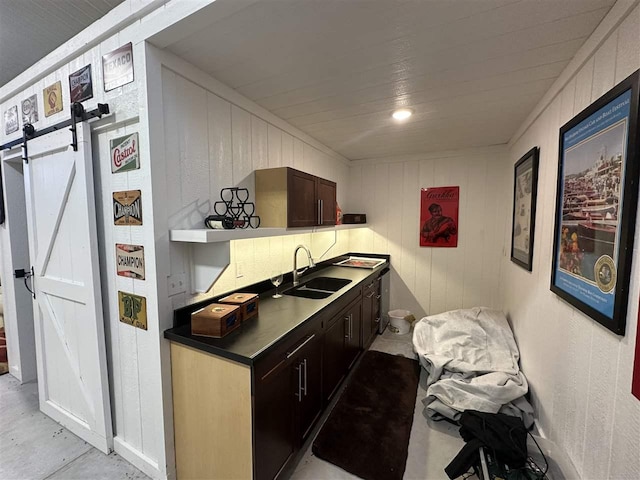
(235, 205)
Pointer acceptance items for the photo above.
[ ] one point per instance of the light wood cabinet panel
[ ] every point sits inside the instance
(211, 414)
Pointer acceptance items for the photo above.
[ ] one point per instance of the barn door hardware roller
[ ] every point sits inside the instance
(22, 273)
(78, 114)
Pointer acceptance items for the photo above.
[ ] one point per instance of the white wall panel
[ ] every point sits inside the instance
(431, 280)
(579, 372)
(220, 145)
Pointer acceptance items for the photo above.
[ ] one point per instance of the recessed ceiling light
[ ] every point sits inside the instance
(402, 114)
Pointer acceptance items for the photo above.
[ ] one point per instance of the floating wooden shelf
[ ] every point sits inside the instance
(205, 235)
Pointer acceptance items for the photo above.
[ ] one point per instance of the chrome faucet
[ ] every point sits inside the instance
(296, 273)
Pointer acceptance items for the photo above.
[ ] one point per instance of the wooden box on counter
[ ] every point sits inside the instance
(248, 303)
(215, 320)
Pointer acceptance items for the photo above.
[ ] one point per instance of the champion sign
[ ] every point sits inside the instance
(127, 207)
(124, 153)
(130, 261)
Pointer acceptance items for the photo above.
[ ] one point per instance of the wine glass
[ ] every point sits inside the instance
(276, 280)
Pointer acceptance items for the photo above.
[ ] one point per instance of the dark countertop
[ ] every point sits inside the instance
(276, 319)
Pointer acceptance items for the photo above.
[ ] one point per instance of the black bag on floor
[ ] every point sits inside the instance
(504, 435)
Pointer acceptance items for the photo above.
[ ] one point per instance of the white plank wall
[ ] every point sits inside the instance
(212, 143)
(133, 354)
(579, 372)
(432, 280)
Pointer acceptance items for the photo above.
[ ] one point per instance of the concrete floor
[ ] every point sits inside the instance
(432, 445)
(32, 446)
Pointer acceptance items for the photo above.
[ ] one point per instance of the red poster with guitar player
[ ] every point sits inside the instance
(439, 216)
(635, 381)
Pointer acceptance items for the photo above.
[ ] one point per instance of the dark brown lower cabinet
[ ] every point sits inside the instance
(341, 346)
(234, 420)
(287, 402)
(370, 312)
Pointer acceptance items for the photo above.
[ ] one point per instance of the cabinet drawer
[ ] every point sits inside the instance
(282, 353)
(331, 315)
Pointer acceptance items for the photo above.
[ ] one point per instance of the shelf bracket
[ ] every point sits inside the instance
(208, 261)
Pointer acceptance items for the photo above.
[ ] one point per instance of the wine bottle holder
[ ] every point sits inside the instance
(235, 206)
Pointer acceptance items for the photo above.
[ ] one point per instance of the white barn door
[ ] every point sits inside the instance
(73, 382)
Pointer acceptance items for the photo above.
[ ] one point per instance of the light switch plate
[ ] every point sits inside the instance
(177, 284)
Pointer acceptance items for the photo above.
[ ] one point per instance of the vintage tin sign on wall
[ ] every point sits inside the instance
(81, 85)
(52, 96)
(132, 309)
(117, 67)
(30, 110)
(130, 261)
(124, 153)
(127, 207)
(11, 120)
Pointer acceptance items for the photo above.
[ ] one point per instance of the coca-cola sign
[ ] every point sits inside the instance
(125, 154)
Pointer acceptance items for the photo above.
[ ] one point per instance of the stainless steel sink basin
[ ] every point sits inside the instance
(330, 284)
(318, 288)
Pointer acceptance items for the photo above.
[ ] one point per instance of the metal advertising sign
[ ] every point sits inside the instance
(130, 261)
(117, 67)
(52, 99)
(81, 85)
(30, 110)
(127, 207)
(124, 153)
(11, 120)
(132, 309)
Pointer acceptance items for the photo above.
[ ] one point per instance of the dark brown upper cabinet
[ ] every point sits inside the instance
(290, 198)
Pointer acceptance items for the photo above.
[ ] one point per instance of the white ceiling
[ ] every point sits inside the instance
(470, 69)
(30, 29)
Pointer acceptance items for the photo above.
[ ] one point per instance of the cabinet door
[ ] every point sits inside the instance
(327, 201)
(302, 210)
(275, 440)
(368, 315)
(333, 358)
(353, 333)
(308, 387)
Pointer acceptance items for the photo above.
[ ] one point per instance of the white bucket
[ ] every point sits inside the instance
(397, 323)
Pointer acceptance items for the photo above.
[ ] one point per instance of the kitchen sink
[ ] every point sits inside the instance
(329, 284)
(318, 288)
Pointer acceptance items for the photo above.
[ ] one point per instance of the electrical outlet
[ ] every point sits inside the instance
(239, 270)
(176, 284)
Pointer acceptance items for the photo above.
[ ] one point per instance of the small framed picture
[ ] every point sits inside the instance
(596, 202)
(525, 190)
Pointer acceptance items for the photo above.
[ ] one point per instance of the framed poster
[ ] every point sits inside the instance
(439, 216)
(525, 189)
(596, 203)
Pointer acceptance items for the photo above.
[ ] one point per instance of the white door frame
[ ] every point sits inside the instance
(14, 254)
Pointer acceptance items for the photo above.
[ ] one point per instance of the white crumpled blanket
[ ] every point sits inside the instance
(471, 359)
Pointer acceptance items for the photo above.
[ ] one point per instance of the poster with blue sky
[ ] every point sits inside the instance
(591, 240)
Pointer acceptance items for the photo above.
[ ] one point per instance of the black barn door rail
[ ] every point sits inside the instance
(78, 114)
(29, 132)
